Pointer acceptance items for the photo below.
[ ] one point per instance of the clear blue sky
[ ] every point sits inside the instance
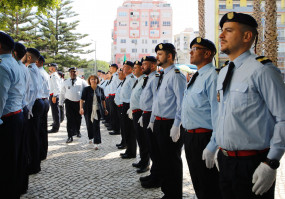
(97, 17)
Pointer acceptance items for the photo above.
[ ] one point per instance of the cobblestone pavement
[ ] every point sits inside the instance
(76, 170)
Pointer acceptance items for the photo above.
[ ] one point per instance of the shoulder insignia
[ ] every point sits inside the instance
(177, 70)
(226, 63)
(0, 60)
(263, 59)
(157, 75)
(30, 66)
(132, 76)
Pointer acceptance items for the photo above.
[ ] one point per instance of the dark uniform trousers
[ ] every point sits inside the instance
(122, 126)
(114, 115)
(107, 117)
(129, 132)
(93, 128)
(10, 153)
(34, 137)
(236, 176)
(55, 113)
(61, 113)
(43, 131)
(73, 117)
(205, 181)
(170, 156)
(141, 139)
(155, 170)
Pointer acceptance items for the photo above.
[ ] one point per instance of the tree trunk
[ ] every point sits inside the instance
(201, 12)
(271, 43)
(257, 14)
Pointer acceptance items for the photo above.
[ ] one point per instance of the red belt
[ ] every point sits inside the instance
(51, 94)
(146, 111)
(136, 110)
(199, 130)
(242, 152)
(161, 118)
(112, 94)
(12, 113)
(120, 105)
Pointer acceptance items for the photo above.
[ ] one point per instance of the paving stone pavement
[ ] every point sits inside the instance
(76, 170)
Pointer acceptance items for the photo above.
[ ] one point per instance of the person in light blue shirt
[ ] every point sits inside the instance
(251, 120)
(166, 120)
(125, 95)
(34, 122)
(135, 114)
(113, 84)
(149, 67)
(107, 92)
(44, 117)
(119, 103)
(12, 88)
(198, 117)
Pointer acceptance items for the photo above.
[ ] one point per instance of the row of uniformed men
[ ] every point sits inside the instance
(232, 115)
(25, 94)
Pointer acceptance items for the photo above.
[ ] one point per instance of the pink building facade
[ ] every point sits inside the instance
(139, 27)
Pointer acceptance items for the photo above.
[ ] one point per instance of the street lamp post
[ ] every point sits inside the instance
(95, 63)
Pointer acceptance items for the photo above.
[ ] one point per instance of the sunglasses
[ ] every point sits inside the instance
(73, 71)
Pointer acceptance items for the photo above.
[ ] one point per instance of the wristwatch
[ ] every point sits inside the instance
(274, 164)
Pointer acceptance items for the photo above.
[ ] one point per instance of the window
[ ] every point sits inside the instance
(134, 24)
(134, 41)
(122, 14)
(122, 23)
(134, 14)
(123, 50)
(145, 50)
(154, 41)
(154, 33)
(142, 50)
(154, 24)
(123, 41)
(166, 23)
(134, 50)
(145, 24)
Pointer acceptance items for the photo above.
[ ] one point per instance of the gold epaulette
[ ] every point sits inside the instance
(263, 59)
(177, 70)
(157, 75)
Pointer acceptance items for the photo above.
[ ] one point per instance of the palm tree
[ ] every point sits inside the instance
(270, 43)
(201, 12)
(257, 14)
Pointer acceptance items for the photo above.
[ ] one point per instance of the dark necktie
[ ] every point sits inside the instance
(110, 81)
(160, 79)
(135, 83)
(193, 79)
(228, 76)
(123, 81)
(144, 81)
(72, 81)
(120, 84)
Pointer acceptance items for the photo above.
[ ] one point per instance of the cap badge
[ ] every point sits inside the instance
(160, 46)
(144, 57)
(199, 39)
(230, 15)
(137, 62)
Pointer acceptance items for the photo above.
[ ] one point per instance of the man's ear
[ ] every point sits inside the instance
(247, 36)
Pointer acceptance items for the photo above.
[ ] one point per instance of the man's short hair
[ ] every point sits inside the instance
(20, 50)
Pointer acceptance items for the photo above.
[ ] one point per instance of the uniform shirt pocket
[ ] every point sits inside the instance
(198, 97)
(239, 95)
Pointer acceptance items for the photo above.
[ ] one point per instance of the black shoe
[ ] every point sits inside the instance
(137, 165)
(143, 169)
(107, 124)
(121, 154)
(51, 125)
(126, 156)
(114, 133)
(151, 184)
(121, 147)
(69, 140)
(118, 144)
(79, 135)
(109, 128)
(145, 178)
(104, 122)
(53, 131)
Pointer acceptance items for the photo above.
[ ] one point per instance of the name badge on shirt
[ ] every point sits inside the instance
(218, 96)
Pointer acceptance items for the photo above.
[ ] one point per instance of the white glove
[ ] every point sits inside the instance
(263, 178)
(208, 156)
(175, 133)
(150, 125)
(216, 159)
(141, 121)
(30, 115)
(130, 113)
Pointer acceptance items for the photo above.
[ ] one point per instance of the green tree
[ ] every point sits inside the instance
(20, 25)
(58, 42)
(101, 65)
